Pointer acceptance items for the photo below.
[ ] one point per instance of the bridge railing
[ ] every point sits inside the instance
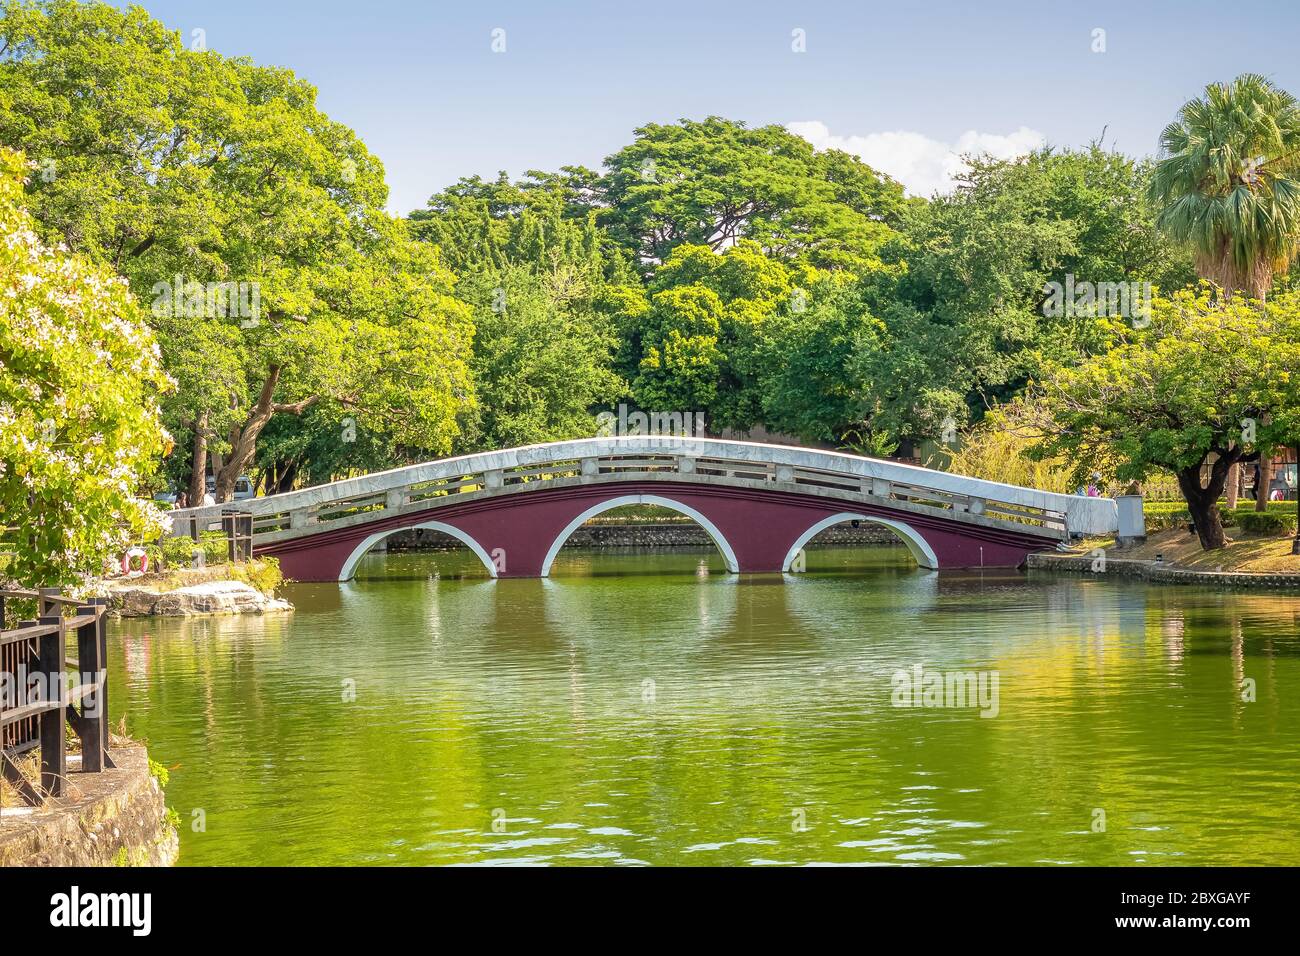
(746, 463)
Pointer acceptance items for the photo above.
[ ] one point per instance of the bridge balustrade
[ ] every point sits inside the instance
(597, 460)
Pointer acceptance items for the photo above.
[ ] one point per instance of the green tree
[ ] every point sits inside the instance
(808, 388)
(544, 281)
(1229, 187)
(542, 220)
(1228, 183)
(715, 182)
(700, 341)
(964, 305)
(542, 359)
(80, 426)
(1176, 395)
(185, 169)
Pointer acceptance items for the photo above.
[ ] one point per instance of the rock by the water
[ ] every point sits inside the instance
(210, 597)
(133, 602)
(217, 597)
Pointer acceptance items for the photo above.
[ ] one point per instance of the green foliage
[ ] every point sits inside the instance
(163, 162)
(543, 357)
(1169, 395)
(1000, 448)
(703, 338)
(542, 222)
(181, 552)
(1229, 182)
(178, 554)
(807, 385)
(1175, 396)
(1162, 515)
(1267, 522)
(159, 773)
(964, 319)
(715, 182)
(544, 283)
(79, 417)
(261, 573)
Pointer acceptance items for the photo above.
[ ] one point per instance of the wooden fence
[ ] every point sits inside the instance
(35, 697)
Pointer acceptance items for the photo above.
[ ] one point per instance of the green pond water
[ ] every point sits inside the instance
(648, 708)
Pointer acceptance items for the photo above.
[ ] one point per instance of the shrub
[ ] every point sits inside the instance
(1266, 522)
(179, 552)
(997, 449)
(1163, 515)
(262, 574)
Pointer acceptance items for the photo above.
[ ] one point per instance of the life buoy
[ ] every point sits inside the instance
(129, 558)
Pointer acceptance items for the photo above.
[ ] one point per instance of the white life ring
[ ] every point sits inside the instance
(129, 558)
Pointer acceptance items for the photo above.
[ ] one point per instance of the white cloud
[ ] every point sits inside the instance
(923, 165)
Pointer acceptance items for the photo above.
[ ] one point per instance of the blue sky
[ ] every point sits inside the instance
(905, 85)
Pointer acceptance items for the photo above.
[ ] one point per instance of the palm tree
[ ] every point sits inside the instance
(1228, 184)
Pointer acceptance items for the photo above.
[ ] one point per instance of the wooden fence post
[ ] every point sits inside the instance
(101, 632)
(48, 607)
(54, 766)
(89, 725)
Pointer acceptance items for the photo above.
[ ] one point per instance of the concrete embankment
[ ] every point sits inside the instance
(113, 818)
(1159, 572)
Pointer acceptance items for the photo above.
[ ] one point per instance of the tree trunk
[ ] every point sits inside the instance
(243, 438)
(1221, 268)
(285, 478)
(1203, 501)
(1265, 479)
(199, 465)
(1234, 484)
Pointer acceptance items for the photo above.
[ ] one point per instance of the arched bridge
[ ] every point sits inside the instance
(760, 503)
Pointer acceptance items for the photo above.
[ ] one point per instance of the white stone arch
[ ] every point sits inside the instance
(723, 545)
(350, 565)
(920, 548)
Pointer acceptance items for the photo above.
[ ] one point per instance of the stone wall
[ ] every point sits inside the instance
(1161, 573)
(113, 818)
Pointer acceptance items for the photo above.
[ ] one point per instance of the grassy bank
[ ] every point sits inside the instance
(1252, 553)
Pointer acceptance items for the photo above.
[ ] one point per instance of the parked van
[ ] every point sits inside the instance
(243, 488)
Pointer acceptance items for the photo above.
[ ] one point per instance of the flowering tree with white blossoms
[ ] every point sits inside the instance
(79, 418)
